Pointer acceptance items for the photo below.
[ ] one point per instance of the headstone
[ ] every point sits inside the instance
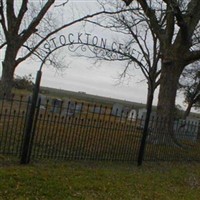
(98, 110)
(43, 100)
(69, 108)
(141, 113)
(117, 109)
(186, 129)
(132, 115)
(56, 105)
(78, 108)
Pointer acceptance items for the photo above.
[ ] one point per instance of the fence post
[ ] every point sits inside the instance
(28, 137)
(143, 142)
(33, 129)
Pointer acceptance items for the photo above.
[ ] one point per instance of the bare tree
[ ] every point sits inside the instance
(190, 86)
(139, 48)
(25, 26)
(176, 25)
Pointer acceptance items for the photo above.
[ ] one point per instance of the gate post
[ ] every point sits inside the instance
(28, 135)
(145, 130)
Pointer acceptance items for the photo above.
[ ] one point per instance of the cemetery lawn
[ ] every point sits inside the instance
(100, 181)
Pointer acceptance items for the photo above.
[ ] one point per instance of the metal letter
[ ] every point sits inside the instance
(120, 47)
(87, 34)
(103, 43)
(95, 41)
(69, 38)
(48, 47)
(53, 40)
(79, 37)
(112, 46)
(62, 40)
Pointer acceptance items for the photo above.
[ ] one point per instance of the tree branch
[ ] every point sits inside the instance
(11, 18)
(32, 27)
(193, 16)
(192, 56)
(180, 22)
(150, 13)
(2, 20)
(21, 13)
(127, 2)
(2, 45)
(62, 4)
(170, 22)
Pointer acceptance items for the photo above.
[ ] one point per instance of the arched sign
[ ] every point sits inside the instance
(95, 44)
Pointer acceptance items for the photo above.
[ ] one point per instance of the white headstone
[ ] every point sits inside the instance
(132, 114)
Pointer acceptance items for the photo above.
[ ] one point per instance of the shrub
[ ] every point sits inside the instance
(24, 82)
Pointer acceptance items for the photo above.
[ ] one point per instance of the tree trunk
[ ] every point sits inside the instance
(7, 78)
(8, 69)
(187, 111)
(170, 75)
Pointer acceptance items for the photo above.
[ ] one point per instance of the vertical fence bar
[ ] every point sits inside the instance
(82, 150)
(17, 127)
(139, 135)
(124, 132)
(53, 135)
(12, 132)
(102, 133)
(56, 132)
(91, 136)
(73, 136)
(80, 132)
(113, 125)
(70, 136)
(43, 139)
(60, 138)
(133, 144)
(65, 137)
(9, 124)
(38, 137)
(107, 128)
(116, 134)
(48, 136)
(21, 128)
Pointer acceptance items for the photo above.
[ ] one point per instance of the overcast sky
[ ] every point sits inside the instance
(83, 75)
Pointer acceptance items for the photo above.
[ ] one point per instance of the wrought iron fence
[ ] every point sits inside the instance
(80, 131)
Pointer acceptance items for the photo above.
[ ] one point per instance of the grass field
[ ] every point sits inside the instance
(100, 181)
(81, 97)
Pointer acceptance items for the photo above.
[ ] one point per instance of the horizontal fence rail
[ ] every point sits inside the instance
(71, 130)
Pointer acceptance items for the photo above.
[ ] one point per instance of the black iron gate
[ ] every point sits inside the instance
(74, 130)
